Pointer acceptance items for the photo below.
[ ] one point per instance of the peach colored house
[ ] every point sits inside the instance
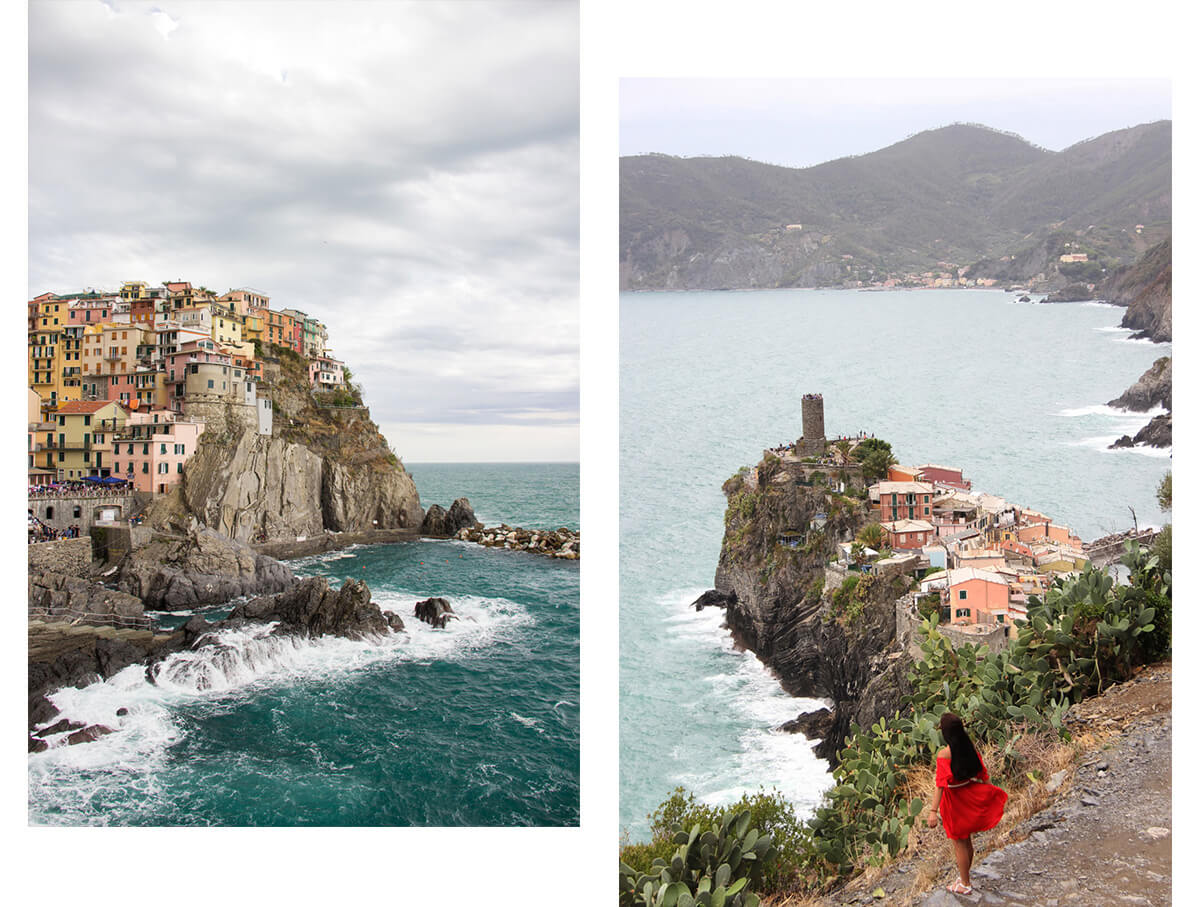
(977, 596)
(897, 473)
(904, 535)
(153, 449)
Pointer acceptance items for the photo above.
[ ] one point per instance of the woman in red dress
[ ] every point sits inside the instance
(966, 801)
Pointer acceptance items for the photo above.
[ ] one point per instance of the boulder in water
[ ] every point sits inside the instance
(434, 611)
(317, 610)
(88, 734)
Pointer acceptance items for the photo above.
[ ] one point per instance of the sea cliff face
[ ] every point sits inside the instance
(322, 468)
(1145, 289)
(776, 604)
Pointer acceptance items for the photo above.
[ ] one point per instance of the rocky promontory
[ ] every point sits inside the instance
(200, 567)
(777, 606)
(560, 543)
(1151, 390)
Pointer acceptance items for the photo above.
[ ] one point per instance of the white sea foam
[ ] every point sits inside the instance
(245, 658)
(1099, 409)
(1095, 303)
(745, 689)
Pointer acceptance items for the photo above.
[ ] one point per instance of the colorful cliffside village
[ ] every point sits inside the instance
(976, 556)
(120, 382)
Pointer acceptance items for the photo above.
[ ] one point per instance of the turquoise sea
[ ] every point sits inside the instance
(1012, 393)
(477, 724)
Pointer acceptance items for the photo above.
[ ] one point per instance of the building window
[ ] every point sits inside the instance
(999, 618)
(162, 448)
(210, 382)
(962, 595)
(145, 466)
(76, 512)
(962, 612)
(163, 468)
(179, 467)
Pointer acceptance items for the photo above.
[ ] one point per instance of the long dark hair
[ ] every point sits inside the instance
(964, 761)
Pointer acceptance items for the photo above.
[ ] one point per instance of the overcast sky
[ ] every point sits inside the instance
(406, 172)
(798, 123)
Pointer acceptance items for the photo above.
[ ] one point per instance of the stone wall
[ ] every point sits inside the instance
(113, 542)
(60, 512)
(907, 635)
(222, 417)
(71, 557)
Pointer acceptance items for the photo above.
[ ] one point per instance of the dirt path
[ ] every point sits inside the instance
(1105, 842)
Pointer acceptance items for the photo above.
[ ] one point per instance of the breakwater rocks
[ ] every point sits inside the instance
(434, 611)
(559, 543)
(203, 567)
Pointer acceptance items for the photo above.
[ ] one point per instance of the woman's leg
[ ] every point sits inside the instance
(964, 854)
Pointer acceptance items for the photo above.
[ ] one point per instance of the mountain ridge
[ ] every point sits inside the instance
(958, 197)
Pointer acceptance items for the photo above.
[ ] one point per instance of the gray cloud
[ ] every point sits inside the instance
(406, 172)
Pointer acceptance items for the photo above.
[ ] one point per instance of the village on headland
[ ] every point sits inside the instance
(123, 385)
(976, 557)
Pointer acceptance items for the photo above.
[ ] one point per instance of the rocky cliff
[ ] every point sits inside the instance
(776, 604)
(1145, 289)
(324, 467)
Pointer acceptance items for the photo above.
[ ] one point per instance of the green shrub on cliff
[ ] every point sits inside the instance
(769, 813)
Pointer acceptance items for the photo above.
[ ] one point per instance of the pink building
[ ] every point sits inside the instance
(977, 596)
(153, 449)
(326, 373)
(90, 311)
(943, 475)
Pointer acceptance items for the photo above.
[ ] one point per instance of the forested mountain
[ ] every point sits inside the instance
(960, 203)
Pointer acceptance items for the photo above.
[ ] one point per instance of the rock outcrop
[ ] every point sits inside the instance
(1151, 390)
(441, 523)
(1156, 434)
(312, 608)
(203, 567)
(434, 611)
(62, 656)
(53, 595)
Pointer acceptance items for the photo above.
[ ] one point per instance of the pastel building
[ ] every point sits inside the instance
(202, 370)
(905, 501)
(977, 596)
(154, 447)
(82, 434)
(943, 475)
(907, 535)
(326, 373)
(243, 299)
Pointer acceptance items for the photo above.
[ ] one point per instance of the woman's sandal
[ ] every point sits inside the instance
(959, 888)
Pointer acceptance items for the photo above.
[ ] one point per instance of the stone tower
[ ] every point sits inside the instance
(812, 409)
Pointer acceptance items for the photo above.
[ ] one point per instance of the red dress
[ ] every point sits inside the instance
(975, 806)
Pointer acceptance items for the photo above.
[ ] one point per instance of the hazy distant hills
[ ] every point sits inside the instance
(960, 197)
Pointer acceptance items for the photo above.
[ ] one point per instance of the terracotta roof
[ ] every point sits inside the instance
(84, 406)
(908, 526)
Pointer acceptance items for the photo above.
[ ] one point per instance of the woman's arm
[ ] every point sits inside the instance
(932, 819)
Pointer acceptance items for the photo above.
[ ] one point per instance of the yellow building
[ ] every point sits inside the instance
(253, 328)
(226, 325)
(80, 441)
(134, 289)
